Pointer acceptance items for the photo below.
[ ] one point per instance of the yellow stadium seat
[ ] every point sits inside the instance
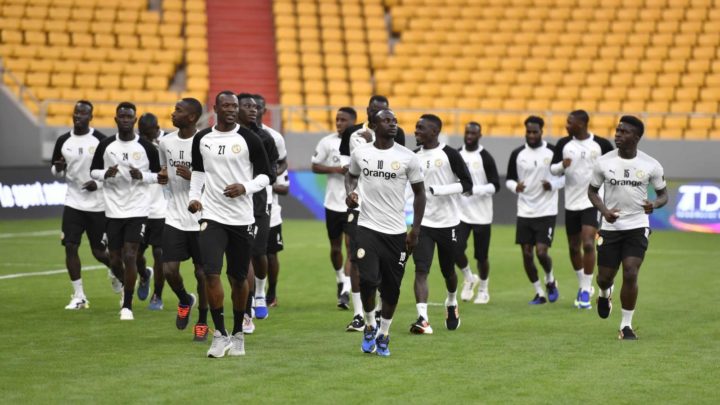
(681, 106)
(695, 134)
(709, 94)
(39, 79)
(710, 107)
(109, 81)
(86, 80)
(62, 80)
(660, 106)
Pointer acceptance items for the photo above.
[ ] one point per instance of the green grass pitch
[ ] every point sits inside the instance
(504, 352)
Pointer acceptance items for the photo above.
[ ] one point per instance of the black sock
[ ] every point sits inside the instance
(183, 296)
(159, 290)
(202, 315)
(248, 305)
(144, 273)
(270, 292)
(219, 320)
(238, 318)
(127, 299)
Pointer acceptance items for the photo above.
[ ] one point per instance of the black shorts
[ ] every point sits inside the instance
(232, 241)
(481, 240)
(614, 246)
(575, 220)
(275, 240)
(335, 223)
(76, 222)
(125, 230)
(153, 233)
(262, 231)
(180, 245)
(531, 231)
(446, 240)
(381, 261)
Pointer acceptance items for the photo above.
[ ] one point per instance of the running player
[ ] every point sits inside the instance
(275, 239)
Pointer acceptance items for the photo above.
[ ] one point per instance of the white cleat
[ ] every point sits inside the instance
(78, 303)
(126, 314)
(220, 345)
(483, 297)
(238, 345)
(115, 283)
(468, 289)
(248, 326)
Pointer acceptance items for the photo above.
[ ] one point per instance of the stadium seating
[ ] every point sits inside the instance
(497, 60)
(106, 51)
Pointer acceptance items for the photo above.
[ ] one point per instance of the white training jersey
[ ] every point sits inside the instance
(584, 153)
(174, 152)
(78, 150)
(279, 141)
(383, 175)
(626, 182)
(124, 196)
(327, 153)
(532, 166)
(356, 139)
(283, 179)
(441, 166)
(477, 209)
(220, 159)
(158, 207)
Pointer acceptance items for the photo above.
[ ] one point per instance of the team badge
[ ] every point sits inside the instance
(236, 148)
(438, 162)
(600, 241)
(360, 253)
(476, 165)
(546, 161)
(91, 150)
(203, 225)
(594, 154)
(351, 217)
(395, 165)
(640, 174)
(137, 155)
(335, 159)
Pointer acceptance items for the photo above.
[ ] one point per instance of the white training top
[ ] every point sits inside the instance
(626, 182)
(356, 139)
(532, 166)
(327, 153)
(383, 175)
(158, 207)
(220, 159)
(279, 141)
(78, 150)
(174, 152)
(124, 196)
(584, 153)
(283, 179)
(441, 166)
(477, 209)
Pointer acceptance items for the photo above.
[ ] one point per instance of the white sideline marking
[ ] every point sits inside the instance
(29, 234)
(47, 273)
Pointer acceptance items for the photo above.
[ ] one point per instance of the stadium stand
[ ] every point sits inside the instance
(495, 61)
(55, 52)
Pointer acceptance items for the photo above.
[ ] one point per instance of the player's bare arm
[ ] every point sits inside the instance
(660, 201)
(234, 190)
(610, 215)
(183, 171)
(418, 212)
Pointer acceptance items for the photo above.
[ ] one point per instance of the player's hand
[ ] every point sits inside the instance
(546, 185)
(135, 173)
(162, 176)
(89, 185)
(648, 206)
(342, 169)
(183, 171)
(566, 162)
(366, 135)
(234, 190)
(60, 164)
(520, 187)
(411, 240)
(112, 171)
(195, 206)
(611, 215)
(352, 200)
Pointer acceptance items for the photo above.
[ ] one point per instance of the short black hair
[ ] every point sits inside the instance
(258, 97)
(223, 93)
(241, 96)
(635, 122)
(477, 124)
(148, 119)
(126, 105)
(376, 116)
(582, 115)
(434, 119)
(195, 106)
(350, 111)
(87, 103)
(534, 119)
(379, 98)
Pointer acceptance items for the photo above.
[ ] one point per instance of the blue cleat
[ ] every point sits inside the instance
(382, 342)
(584, 300)
(156, 303)
(552, 291)
(576, 304)
(261, 309)
(538, 300)
(144, 285)
(368, 343)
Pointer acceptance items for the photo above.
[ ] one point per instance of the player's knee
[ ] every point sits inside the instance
(630, 275)
(391, 296)
(574, 250)
(71, 249)
(99, 255)
(588, 246)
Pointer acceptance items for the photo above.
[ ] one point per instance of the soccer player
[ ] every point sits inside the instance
(379, 173)
(247, 118)
(446, 175)
(84, 210)
(275, 239)
(476, 214)
(127, 164)
(282, 163)
(574, 157)
(528, 176)
(625, 173)
(180, 234)
(149, 129)
(326, 160)
(225, 159)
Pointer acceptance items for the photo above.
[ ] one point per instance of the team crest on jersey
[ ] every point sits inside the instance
(91, 150)
(640, 174)
(476, 165)
(360, 253)
(438, 162)
(546, 161)
(137, 155)
(351, 216)
(594, 154)
(395, 165)
(236, 148)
